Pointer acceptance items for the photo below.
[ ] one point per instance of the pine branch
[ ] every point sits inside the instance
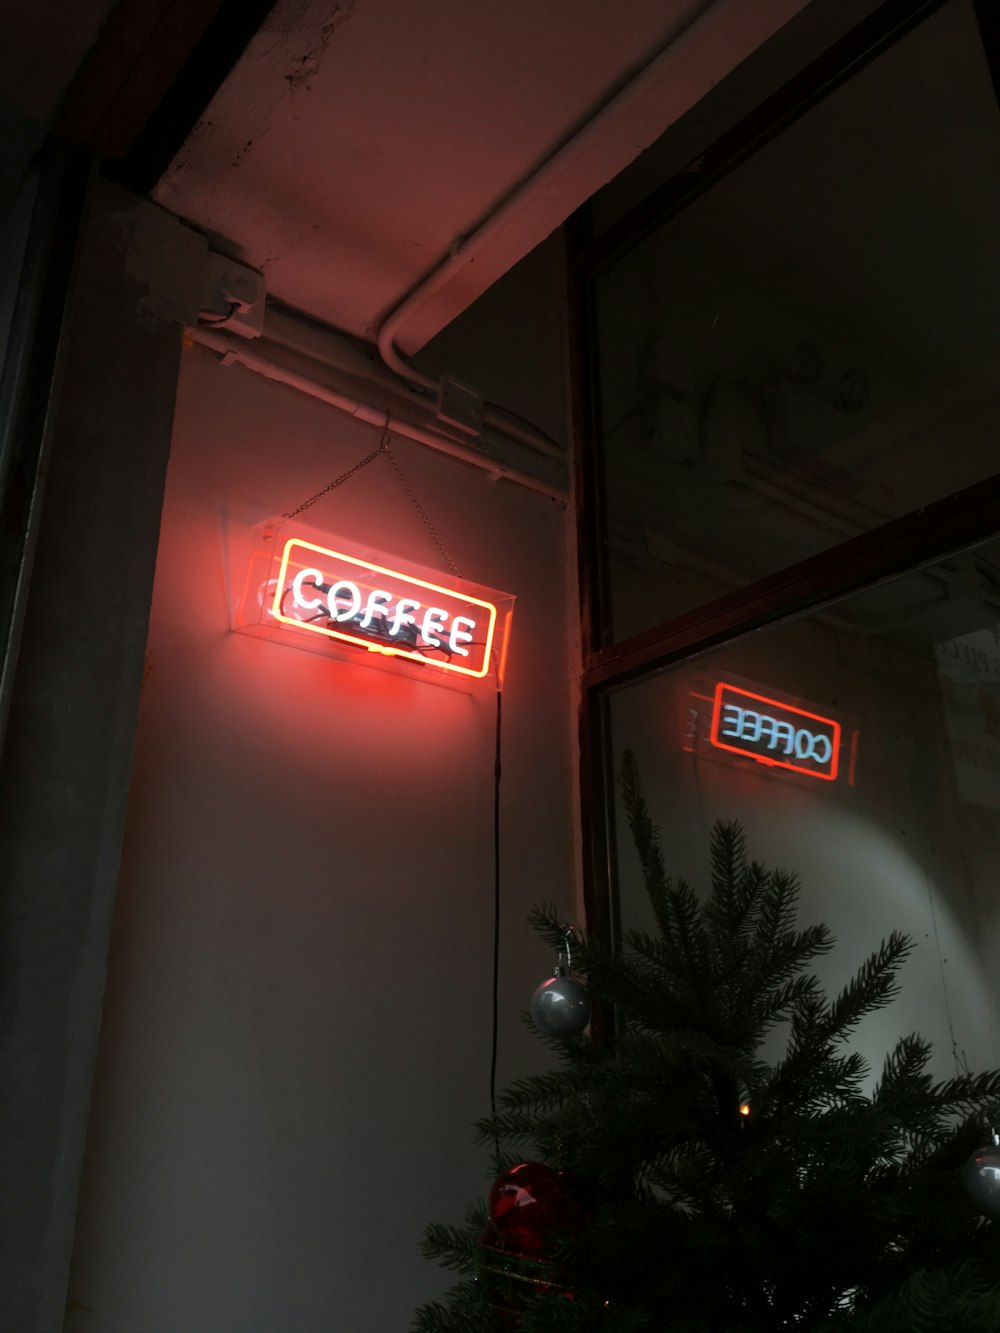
(969, 1092)
(778, 1004)
(959, 1300)
(645, 839)
(452, 1247)
(775, 917)
(546, 922)
(462, 1311)
(874, 986)
(829, 1210)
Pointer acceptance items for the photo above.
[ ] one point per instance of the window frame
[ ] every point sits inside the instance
(899, 547)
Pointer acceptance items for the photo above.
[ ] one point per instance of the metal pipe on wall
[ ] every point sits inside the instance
(338, 350)
(378, 408)
(583, 141)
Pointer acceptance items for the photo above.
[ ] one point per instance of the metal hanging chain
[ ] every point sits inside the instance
(438, 542)
(383, 447)
(339, 481)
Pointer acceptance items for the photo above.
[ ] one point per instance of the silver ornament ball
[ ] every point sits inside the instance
(982, 1179)
(560, 1007)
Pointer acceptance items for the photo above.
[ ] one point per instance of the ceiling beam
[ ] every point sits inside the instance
(149, 76)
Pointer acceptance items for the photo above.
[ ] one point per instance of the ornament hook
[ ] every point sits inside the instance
(568, 937)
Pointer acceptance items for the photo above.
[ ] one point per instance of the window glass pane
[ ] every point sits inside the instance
(811, 347)
(859, 748)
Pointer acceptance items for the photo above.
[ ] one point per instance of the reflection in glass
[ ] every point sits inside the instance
(811, 347)
(886, 804)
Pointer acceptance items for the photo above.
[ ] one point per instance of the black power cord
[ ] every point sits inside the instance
(496, 924)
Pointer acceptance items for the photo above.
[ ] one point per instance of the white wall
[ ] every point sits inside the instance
(296, 1031)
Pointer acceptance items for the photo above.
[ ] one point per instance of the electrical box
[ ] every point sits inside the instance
(233, 297)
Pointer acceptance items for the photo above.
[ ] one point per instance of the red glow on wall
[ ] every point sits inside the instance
(774, 733)
(322, 591)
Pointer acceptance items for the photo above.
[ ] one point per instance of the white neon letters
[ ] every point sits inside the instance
(458, 636)
(402, 615)
(433, 625)
(378, 600)
(345, 599)
(351, 592)
(314, 577)
(744, 724)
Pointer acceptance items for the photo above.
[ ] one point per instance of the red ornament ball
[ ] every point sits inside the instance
(528, 1204)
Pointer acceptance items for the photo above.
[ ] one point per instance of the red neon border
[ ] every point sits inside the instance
(367, 643)
(787, 708)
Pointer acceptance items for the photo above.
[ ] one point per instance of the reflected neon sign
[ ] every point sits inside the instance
(773, 733)
(328, 592)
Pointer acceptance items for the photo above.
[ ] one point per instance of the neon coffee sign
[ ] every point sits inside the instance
(774, 733)
(308, 589)
(358, 602)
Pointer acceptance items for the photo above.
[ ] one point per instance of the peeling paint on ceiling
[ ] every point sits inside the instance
(308, 65)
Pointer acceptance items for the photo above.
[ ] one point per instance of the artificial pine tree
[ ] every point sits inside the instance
(824, 1209)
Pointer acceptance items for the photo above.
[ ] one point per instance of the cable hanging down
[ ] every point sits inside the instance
(496, 923)
(384, 447)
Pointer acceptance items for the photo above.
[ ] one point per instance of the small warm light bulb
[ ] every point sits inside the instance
(745, 1109)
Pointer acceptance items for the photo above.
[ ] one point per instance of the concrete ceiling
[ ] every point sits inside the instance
(356, 145)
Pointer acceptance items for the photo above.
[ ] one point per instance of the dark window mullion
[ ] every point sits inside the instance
(987, 14)
(591, 488)
(902, 546)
